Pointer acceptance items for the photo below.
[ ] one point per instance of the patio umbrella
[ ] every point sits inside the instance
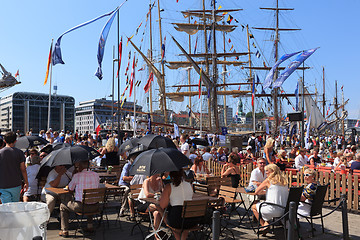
(69, 156)
(26, 142)
(159, 160)
(66, 156)
(199, 141)
(152, 141)
(48, 148)
(128, 145)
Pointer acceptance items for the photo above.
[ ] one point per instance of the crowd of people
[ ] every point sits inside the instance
(18, 172)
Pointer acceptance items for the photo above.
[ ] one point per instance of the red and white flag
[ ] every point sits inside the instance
(132, 77)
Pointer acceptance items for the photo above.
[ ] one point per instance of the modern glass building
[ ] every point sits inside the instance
(24, 111)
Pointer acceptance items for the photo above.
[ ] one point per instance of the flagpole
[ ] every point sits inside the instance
(49, 106)
(201, 113)
(118, 76)
(134, 108)
(113, 92)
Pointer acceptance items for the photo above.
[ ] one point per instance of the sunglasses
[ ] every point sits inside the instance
(32, 153)
(307, 175)
(42, 156)
(262, 163)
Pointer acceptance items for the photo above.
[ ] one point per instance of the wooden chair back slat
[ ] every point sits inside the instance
(194, 208)
(95, 195)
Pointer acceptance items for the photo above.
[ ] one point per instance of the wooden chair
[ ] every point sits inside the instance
(113, 198)
(91, 197)
(229, 194)
(139, 216)
(201, 188)
(192, 209)
(317, 205)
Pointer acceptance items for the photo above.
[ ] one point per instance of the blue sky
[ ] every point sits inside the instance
(28, 26)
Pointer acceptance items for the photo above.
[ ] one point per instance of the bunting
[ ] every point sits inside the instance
(229, 40)
(17, 73)
(254, 45)
(48, 64)
(132, 77)
(357, 123)
(148, 84)
(196, 44)
(232, 46)
(297, 97)
(163, 50)
(230, 18)
(120, 55)
(258, 55)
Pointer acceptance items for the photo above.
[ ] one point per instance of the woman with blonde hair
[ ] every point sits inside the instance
(277, 193)
(110, 151)
(269, 151)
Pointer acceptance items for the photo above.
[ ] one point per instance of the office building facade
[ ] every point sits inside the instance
(24, 111)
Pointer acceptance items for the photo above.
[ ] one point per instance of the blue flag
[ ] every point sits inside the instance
(269, 77)
(308, 133)
(56, 56)
(293, 66)
(102, 42)
(267, 127)
(297, 97)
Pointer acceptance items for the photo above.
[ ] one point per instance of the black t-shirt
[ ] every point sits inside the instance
(355, 165)
(10, 173)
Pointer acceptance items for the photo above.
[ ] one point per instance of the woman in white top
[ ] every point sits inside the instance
(32, 170)
(277, 193)
(150, 187)
(172, 198)
(198, 167)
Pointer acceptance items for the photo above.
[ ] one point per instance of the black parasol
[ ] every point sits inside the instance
(27, 142)
(152, 141)
(160, 160)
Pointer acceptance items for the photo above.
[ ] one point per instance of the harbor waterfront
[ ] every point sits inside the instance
(175, 119)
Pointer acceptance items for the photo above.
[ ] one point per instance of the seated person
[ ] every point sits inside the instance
(277, 193)
(337, 159)
(281, 158)
(124, 183)
(301, 160)
(315, 158)
(231, 170)
(199, 167)
(59, 177)
(308, 192)
(292, 153)
(173, 198)
(258, 175)
(343, 164)
(83, 179)
(150, 187)
(248, 154)
(32, 170)
(355, 165)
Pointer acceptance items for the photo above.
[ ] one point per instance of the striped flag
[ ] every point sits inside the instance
(132, 76)
(200, 83)
(48, 65)
(357, 123)
(119, 60)
(253, 94)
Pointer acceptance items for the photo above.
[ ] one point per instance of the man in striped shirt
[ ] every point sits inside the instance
(83, 179)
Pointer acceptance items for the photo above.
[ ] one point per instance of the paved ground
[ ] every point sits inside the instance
(333, 229)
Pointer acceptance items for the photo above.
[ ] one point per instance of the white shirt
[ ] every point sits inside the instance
(301, 161)
(256, 176)
(207, 156)
(65, 179)
(32, 171)
(185, 147)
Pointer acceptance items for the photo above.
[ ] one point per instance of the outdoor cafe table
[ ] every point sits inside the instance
(196, 196)
(61, 191)
(261, 195)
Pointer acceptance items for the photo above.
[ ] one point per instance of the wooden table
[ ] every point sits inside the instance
(196, 196)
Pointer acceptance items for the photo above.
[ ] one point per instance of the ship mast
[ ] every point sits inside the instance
(224, 81)
(213, 90)
(163, 94)
(275, 92)
(151, 59)
(189, 81)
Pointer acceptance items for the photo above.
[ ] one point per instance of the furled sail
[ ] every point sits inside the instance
(177, 65)
(317, 119)
(192, 28)
(201, 15)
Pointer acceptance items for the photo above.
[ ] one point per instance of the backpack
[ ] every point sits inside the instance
(252, 143)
